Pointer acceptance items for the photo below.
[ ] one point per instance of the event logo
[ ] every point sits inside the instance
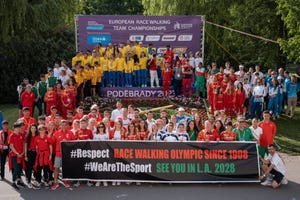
(94, 26)
(185, 37)
(168, 38)
(136, 37)
(96, 39)
(178, 26)
(152, 38)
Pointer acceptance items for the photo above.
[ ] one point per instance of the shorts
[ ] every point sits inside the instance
(277, 176)
(57, 162)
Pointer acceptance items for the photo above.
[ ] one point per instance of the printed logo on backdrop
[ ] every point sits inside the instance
(152, 38)
(185, 37)
(93, 25)
(134, 93)
(168, 38)
(178, 26)
(96, 39)
(136, 38)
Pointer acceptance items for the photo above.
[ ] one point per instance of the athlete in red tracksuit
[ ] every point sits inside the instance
(167, 75)
(229, 100)
(83, 133)
(50, 99)
(187, 80)
(27, 99)
(219, 99)
(43, 155)
(212, 91)
(67, 99)
(240, 97)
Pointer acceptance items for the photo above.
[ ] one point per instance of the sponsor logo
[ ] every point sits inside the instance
(96, 39)
(136, 37)
(178, 26)
(168, 38)
(93, 25)
(185, 37)
(95, 28)
(154, 38)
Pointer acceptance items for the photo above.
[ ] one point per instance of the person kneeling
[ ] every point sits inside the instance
(274, 169)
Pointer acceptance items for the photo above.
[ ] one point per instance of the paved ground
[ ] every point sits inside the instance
(165, 191)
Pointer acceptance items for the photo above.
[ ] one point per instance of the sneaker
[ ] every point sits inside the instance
(46, 184)
(29, 185)
(54, 186)
(284, 181)
(77, 184)
(118, 183)
(113, 183)
(14, 185)
(36, 187)
(97, 184)
(266, 183)
(89, 184)
(20, 183)
(105, 184)
(66, 184)
(138, 183)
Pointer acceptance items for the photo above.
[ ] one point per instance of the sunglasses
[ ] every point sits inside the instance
(100, 126)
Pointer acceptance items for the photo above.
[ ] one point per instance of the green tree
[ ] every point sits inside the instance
(33, 34)
(113, 7)
(253, 16)
(289, 11)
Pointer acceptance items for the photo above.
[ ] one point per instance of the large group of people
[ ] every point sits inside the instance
(35, 145)
(246, 92)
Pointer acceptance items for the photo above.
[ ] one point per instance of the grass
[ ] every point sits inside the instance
(288, 130)
(288, 133)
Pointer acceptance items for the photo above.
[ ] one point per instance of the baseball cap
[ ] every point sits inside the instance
(25, 108)
(181, 109)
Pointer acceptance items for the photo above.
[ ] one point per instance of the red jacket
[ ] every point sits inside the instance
(27, 99)
(152, 64)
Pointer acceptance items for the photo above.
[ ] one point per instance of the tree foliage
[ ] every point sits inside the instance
(33, 34)
(113, 7)
(289, 11)
(252, 16)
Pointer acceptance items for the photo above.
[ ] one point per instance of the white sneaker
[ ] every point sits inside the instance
(29, 185)
(113, 183)
(138, 183)
(284, 181)
(97, 184)
(89, 184)
(77, 184)
(266, 183)
(105, 184)
(118, 183)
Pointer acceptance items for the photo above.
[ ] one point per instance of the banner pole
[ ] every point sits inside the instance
(76, 32)
(203, 37)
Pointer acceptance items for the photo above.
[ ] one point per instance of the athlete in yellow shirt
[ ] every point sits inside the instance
(119, 72)
(112, 67)
(143, 70)
(77, 58)
(128, 70)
